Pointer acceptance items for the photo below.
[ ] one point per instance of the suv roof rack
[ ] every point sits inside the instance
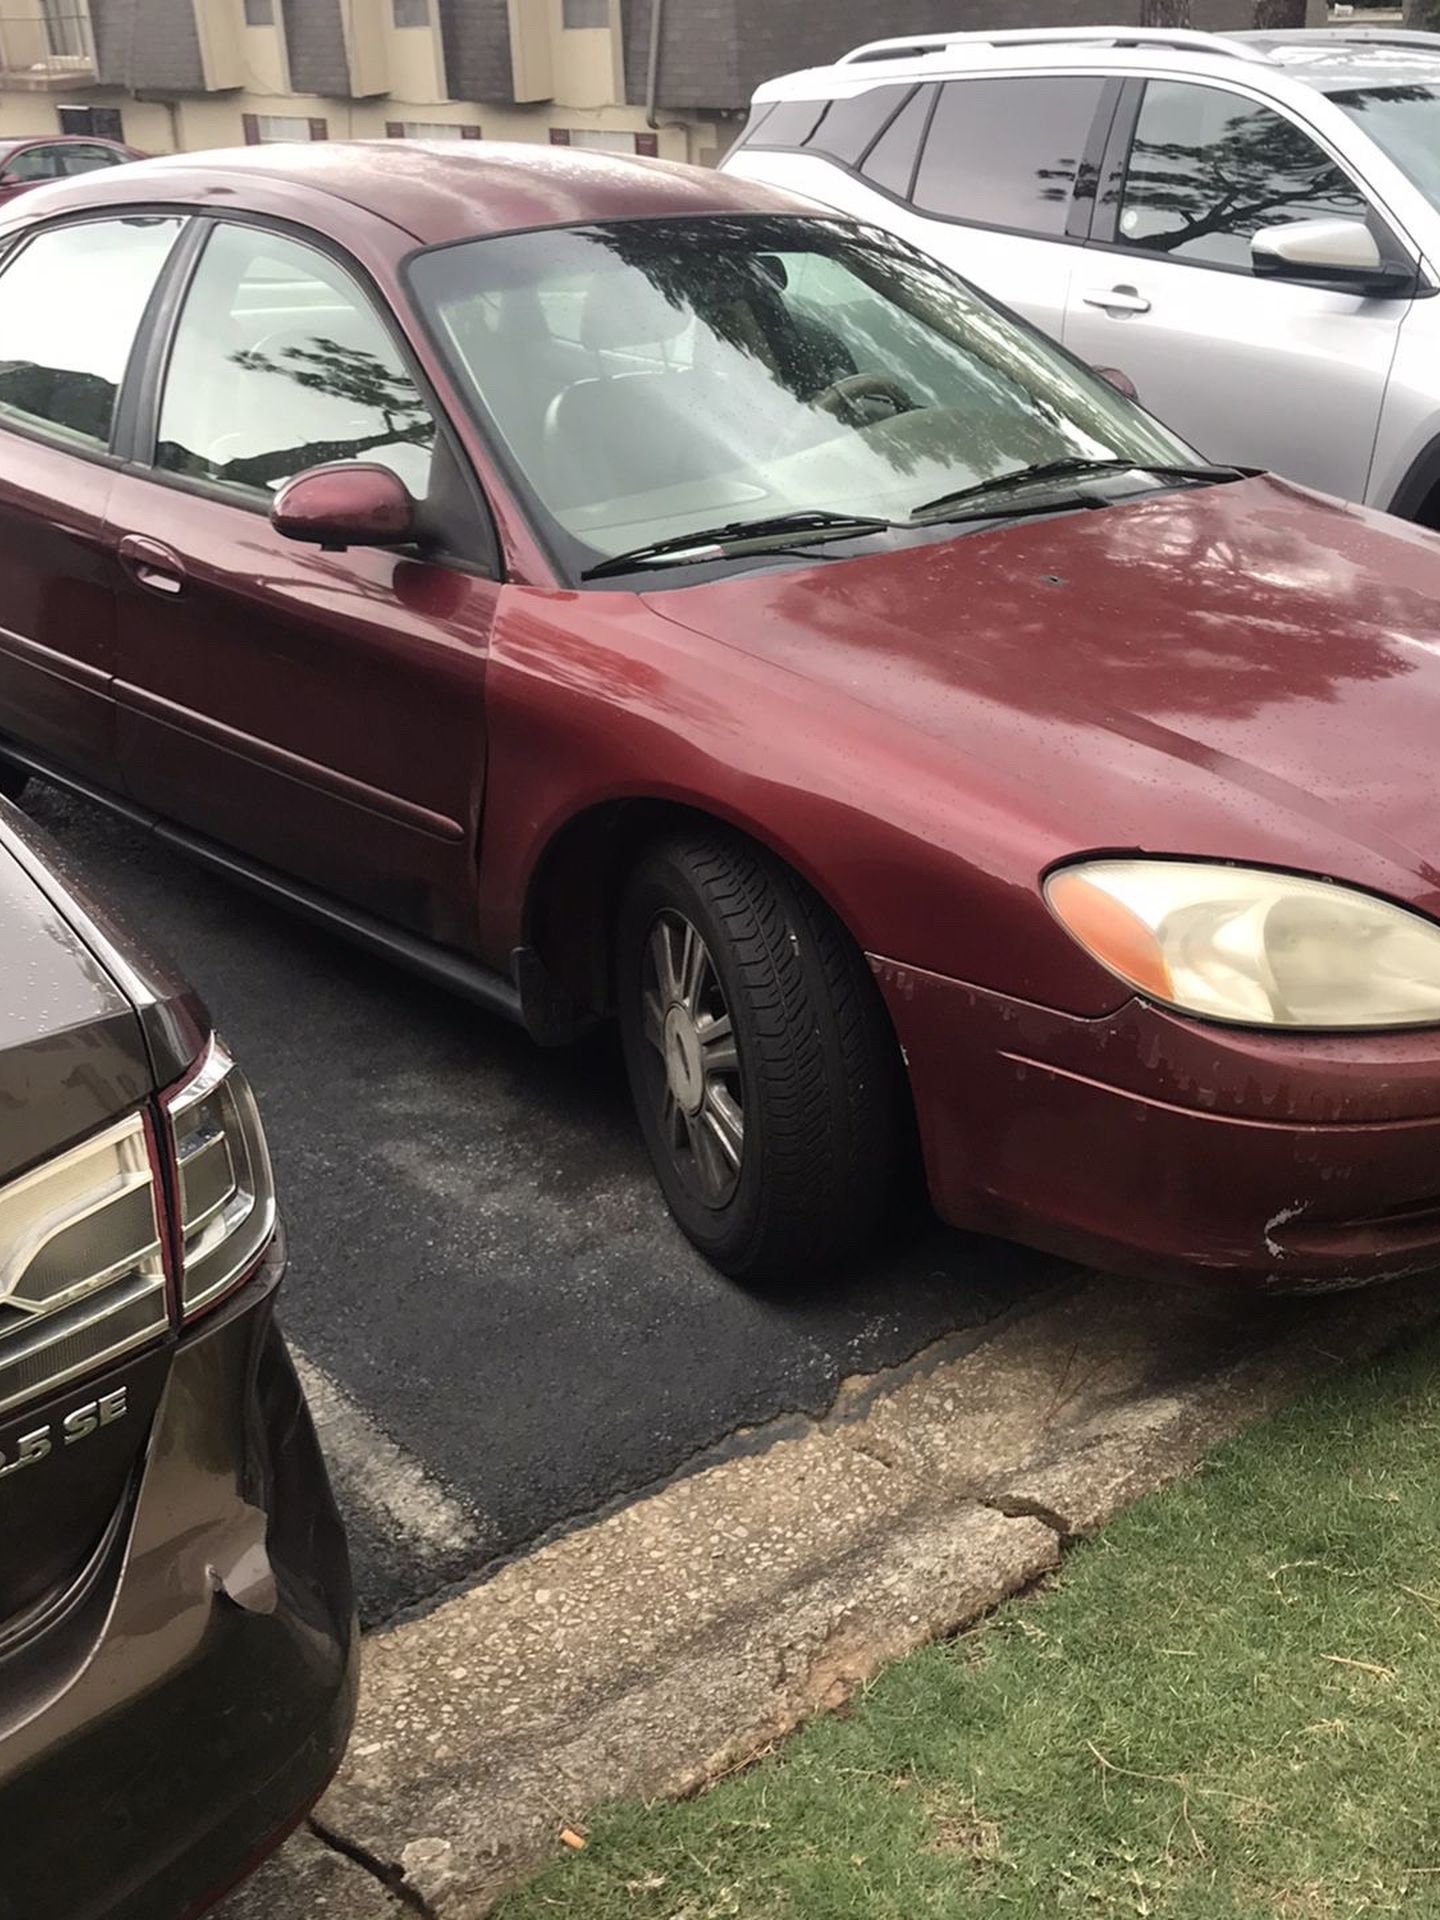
(1351, 36)
(916, 44)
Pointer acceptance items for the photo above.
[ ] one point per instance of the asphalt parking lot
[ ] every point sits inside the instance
(500, 1328)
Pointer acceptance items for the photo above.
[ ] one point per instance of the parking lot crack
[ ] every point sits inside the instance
(1019, 1506)
(390, 1874)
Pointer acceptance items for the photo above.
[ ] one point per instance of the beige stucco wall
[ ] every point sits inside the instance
(416, 67)
(583, 62)
(262, 58)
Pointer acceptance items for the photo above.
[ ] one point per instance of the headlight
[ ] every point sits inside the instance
(227, 1194)
(1267, 949)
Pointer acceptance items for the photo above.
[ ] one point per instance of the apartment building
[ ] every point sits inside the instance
(668, 77)
(187, 74)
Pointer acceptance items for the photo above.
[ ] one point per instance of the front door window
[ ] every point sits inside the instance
(1210, 169)
(279, 364)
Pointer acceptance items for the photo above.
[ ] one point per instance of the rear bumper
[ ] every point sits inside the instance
(1161, 1147)
(196, 1697)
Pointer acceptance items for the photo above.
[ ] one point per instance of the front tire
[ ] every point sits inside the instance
(763, 1068)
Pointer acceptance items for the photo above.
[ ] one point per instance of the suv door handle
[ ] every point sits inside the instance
(152, 565)
(1116, 299)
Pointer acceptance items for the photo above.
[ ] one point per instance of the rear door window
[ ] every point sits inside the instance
(85, 159)
(71, 302)
(1007, 153)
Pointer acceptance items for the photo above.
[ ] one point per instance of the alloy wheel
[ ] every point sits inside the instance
(698, 1092)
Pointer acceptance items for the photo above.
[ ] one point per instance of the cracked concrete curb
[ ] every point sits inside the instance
(672, 1641)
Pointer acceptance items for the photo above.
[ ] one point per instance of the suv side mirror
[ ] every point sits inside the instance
(350, 504)
(1342, 254)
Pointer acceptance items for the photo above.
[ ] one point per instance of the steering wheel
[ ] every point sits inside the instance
(841, 395)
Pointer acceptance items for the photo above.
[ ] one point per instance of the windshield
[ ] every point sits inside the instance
(1403, 119)
(655, 378)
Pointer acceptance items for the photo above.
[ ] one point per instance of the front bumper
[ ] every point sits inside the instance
(1162, 1147)
(195, 1695)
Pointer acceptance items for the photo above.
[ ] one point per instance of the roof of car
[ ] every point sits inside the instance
(439, 190)
(1327, 58)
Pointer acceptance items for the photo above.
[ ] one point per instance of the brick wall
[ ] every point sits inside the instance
(147, 43)
(315, 42)
(476, 38)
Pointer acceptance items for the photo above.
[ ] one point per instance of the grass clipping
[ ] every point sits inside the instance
(1226, 1708)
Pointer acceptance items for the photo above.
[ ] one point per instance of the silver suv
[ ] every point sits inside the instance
(1248, 225)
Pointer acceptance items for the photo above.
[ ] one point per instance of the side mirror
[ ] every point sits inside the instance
(1121, 382)
(1334, 253)
(350, 504)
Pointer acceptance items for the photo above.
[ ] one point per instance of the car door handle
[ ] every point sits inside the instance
(1116, 299)
(152, 565)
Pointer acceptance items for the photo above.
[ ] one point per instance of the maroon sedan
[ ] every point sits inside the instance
(57, 156)
(617, 590)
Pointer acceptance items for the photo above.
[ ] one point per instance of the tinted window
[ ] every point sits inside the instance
(790, 123)
(70, 306)
(89, 159)
(848, 126)
(1403, 119)
(34, 163)
(1005, 153)
(891, 161)
(1208, 169)
(280, 364)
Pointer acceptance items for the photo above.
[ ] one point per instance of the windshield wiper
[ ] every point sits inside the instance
(738, 536)
(1071, 468)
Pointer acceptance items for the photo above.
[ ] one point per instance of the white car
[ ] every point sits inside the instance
(1247, 225)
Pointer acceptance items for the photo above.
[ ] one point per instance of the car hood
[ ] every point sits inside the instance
(90, 1024)
(1245, 671)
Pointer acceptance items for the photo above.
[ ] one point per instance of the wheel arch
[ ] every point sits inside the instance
(1417, 498)
(573, 887)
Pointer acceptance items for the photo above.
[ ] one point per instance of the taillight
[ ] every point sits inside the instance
(82, 1267)
(226, 1191)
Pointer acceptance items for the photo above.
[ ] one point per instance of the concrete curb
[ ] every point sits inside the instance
(667, 1644)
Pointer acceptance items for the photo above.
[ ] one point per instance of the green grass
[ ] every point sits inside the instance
(1174, 1726)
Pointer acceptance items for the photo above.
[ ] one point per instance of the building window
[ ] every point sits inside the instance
(103, 122)
(259, 13)
(600, 142)
(586, 13)
(430, 130)
(262, 128)
(410, 13)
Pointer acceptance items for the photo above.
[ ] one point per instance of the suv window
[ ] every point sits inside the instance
(847, 127)
(1209, 169)
(1006, 153)
(280, 363)
(70, 306)
(890, 163)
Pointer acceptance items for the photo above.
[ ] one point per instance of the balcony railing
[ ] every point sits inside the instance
(44, 47)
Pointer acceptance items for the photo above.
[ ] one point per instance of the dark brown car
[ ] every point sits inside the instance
(176, 1644)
